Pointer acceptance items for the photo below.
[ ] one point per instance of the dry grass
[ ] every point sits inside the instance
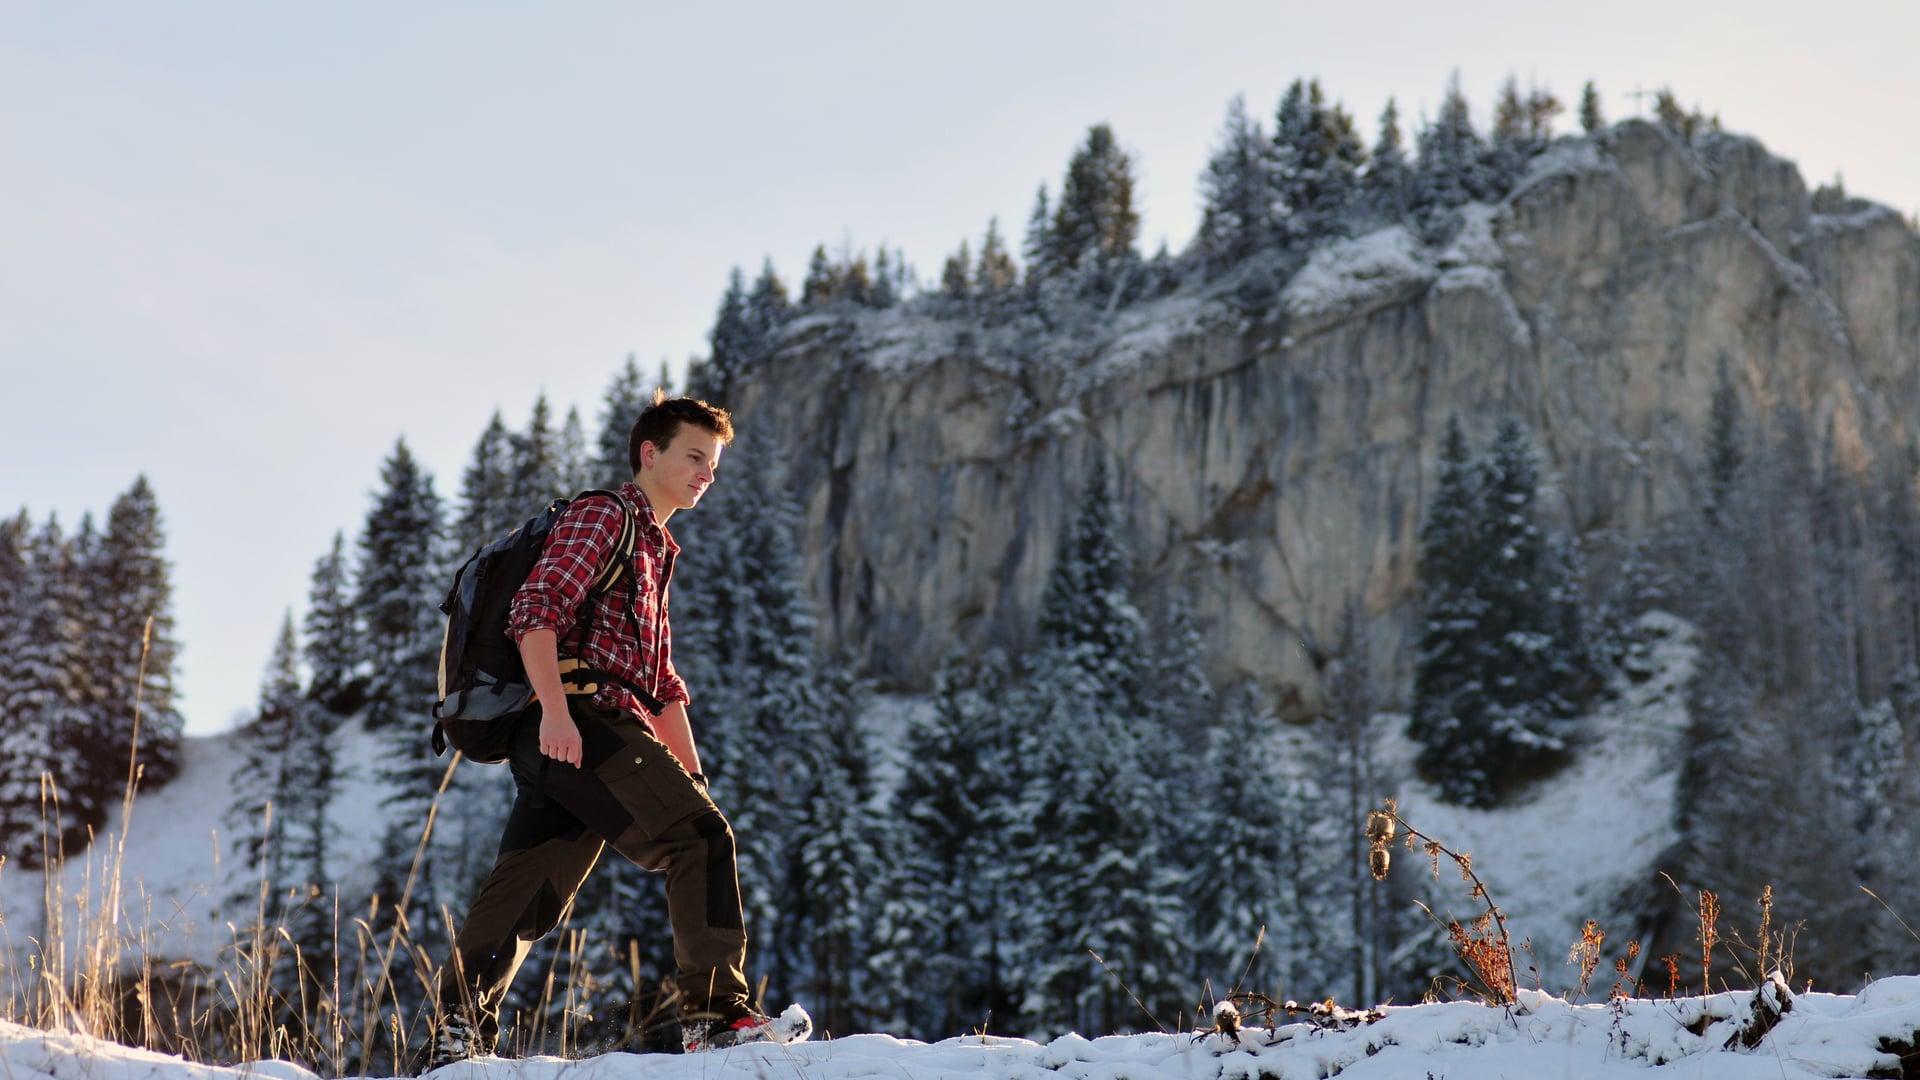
(94, 967)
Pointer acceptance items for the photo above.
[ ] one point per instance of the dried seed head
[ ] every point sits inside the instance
(1377, 861)
(1380, 827)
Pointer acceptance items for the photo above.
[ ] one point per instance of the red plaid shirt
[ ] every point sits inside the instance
(579, 545)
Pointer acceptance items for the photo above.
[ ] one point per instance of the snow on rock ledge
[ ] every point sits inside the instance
(1348, 274)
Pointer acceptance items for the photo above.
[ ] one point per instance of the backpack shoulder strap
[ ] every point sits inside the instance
(622, 547)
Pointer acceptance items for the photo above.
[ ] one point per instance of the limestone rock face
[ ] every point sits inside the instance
(1275, 454)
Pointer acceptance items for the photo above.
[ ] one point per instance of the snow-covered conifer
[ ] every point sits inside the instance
(334, 650)
(948, 893)
(486, 492)
(1385, 184)
(397, 601)
(1235, 190)
(1501, 657)
(840, 849)
(576, 470)
(768, 305)
(1038, 244)
(1452, 168)
(256, 818)
(43, 703)
(1096, 861)
(131, 584)
(535, 474)
(1591, 119)
(733, 339)
(620, 406)
(1236, 851)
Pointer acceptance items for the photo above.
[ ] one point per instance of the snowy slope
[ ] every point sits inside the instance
(1818, 1035)
(177, 863)
(1562, 851)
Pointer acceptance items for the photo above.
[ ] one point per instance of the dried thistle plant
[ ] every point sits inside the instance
(1483, 945)
(1586, 953)
(1709, 937)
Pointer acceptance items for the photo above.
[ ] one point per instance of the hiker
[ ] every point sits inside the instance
(591, 766)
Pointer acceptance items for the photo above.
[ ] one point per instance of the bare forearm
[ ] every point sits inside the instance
(673, 729)
(540, 653)
(559, 735)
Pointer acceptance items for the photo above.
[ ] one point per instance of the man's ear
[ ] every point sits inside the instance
(647, 450)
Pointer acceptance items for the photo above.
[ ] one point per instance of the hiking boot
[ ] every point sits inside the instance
(456, 1041)
(700, 1031)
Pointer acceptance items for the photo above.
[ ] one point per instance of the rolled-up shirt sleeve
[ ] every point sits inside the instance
(578, 546)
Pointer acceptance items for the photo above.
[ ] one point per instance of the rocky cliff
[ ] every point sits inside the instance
(1275, 444)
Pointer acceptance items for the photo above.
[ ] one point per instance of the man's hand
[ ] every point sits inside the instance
(559, 735)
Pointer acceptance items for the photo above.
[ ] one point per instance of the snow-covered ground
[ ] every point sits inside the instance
(1722, 1037)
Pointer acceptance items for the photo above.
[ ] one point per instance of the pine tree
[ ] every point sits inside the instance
(43, 703)
(1522, 127)
(1236, 193)
(333, 641)
(1313, 164)
(1238, 850)
(576, 470)
(256, 817)
(1293, 125)
(768, 305)
(398, 596)
(1095, 223)
(886, 291)
(1590, 118)
(308, 832)
(130, 586)
(399, 588)
(840, 850)
(1096, 862)
(856, 280)
(733, 338)
(1334, 157)
(15, 534)
(822, 285)
(487, 491)
(1037, 245)
(997, 273)
(534, 475)
(954, 283)
(1388, 177)
(620, 406)
(1452, 168)
(1448, 697)
(1501, 663)
(948, 889)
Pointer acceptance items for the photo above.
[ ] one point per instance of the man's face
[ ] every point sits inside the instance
(682, 471)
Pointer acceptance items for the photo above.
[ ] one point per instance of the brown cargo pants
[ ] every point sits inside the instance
(631, 792)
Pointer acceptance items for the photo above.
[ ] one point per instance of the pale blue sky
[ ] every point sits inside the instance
(247, 245)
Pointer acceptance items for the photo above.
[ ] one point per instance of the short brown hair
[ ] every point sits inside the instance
(660, 421)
